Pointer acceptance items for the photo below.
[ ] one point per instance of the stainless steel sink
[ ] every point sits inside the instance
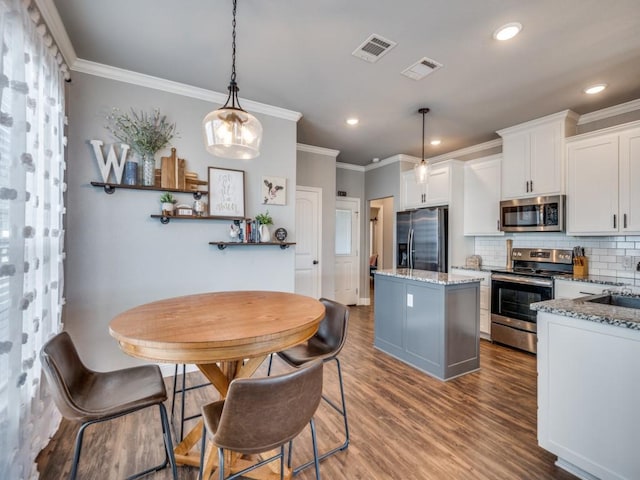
(617, 300)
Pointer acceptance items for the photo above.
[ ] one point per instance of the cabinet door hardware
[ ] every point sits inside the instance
(615, 222)
(624, 220)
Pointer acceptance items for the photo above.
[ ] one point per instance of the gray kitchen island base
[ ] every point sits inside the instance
(429, 320)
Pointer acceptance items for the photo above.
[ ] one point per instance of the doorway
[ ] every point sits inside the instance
(381, 235)
(308, 241)
(347, 267)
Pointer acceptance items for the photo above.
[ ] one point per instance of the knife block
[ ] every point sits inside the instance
(581, 267)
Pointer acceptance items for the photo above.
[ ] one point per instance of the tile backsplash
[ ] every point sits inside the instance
(609, 256)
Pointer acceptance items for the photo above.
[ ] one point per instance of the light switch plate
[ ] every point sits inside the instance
(409, 300)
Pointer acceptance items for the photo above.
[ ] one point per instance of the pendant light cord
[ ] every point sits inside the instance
(233, 43)
(423, 115)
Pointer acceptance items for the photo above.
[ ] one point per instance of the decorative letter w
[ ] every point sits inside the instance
(112, 160)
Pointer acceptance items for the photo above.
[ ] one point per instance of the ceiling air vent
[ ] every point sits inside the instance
(373, 48)
(421, 68)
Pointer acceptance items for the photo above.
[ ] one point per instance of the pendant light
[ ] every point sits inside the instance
(230, 131)
(421, 169)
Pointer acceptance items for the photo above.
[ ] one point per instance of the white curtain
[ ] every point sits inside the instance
(31, 231)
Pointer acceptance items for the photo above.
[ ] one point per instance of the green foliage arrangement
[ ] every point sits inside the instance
(167, 197)
(264, 218)
(145, 133)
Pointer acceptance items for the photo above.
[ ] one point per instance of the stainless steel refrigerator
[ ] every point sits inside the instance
(422, 239)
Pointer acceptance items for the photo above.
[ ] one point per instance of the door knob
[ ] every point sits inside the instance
(315, 262)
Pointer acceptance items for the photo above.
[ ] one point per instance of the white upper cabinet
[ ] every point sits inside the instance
(603, 171)
(482, 196)
(533, 156)
(437, 190)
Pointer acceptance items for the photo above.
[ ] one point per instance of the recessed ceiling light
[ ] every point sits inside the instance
(507, 31)
(435, 142)
(593, 89)
(352, 121)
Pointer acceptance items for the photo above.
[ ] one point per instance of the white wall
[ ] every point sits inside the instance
(118, 257)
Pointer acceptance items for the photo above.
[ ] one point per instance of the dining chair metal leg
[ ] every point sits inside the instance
(182, 391)
(316, 459)
(342, 410)
(270, 363)
(166, 439)
(203, 446)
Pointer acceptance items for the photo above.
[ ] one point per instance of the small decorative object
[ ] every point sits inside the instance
(168, 201)
(274, 191)
(226, 192)
(264, 219)
(198, 207)
(281, 234)
(145, 133)
(112, 160)
(172, 171)
(184, 210)
(130, 173)
(234, 232)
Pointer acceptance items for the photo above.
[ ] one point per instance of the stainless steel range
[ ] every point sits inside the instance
(529, 280)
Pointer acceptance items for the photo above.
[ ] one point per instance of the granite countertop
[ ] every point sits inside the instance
(593, 312)
(601, 279)
(483, 268)
(427, 276)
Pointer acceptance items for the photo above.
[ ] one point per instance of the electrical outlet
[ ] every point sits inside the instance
(409, 300)
(636, 262)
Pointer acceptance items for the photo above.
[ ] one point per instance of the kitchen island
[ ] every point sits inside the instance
(429, 320)
(589, 386)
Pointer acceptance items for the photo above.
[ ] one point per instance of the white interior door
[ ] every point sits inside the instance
(347, 256)
(308, 235)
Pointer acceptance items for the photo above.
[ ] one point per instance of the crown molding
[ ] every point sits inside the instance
(319, 150)
(481, 147)
(54, 23)
(350, 166)
(627, 107)
(156, 83)
(615, 129)
(401, 157)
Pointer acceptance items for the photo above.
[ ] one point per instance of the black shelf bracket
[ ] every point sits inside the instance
(109, 189)
(221, 246)
(197, 195)
(164, 219)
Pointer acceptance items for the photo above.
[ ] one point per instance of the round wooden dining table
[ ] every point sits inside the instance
(227, 335)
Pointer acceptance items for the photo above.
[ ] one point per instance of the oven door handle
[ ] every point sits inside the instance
(522, 280)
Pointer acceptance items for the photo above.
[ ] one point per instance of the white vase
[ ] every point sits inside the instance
(265, 235)
(167, 208)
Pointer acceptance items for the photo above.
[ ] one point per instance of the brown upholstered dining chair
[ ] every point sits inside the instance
(263, 414)
(91, 397)
(325, 345)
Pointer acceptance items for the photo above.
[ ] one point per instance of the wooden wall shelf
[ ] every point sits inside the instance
(109, 188)
(223, 245)
(164, 219)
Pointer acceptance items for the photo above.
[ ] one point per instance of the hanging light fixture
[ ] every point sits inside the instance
(230, 131)
(421, 169)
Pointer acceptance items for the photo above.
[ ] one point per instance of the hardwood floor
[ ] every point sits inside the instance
(404, 424)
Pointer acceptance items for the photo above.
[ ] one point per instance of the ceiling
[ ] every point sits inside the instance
(297, 55)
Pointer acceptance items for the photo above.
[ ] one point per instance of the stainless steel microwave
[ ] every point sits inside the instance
(536, 214)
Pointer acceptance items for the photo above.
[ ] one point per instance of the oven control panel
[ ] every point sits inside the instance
(546, 255)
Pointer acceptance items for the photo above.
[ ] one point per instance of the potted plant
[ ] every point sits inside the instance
(168, 201)
(145, 133)
(264, 219)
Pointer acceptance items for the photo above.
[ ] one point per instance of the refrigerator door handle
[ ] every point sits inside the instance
(410, 248)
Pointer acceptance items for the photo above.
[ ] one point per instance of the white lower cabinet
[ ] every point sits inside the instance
(588, 396)
(485, 297)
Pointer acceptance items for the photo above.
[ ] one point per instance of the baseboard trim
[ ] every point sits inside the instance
(364, 301)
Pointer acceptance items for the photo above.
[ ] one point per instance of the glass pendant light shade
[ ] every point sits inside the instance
(232, 133)
(422, 169)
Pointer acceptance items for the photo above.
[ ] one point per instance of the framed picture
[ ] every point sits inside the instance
(226, 192)
(274, 191)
